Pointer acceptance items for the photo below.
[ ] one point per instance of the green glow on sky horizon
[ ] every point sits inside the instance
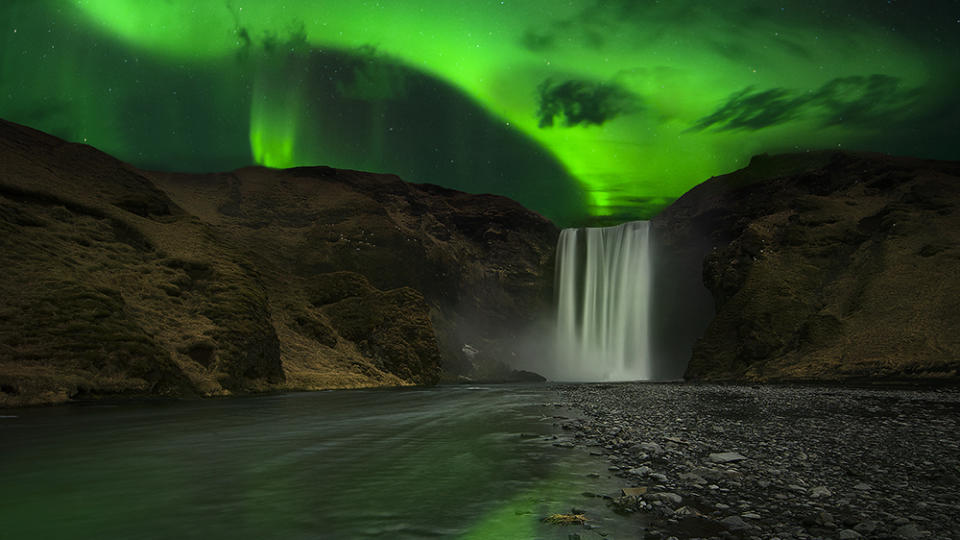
(810, 75)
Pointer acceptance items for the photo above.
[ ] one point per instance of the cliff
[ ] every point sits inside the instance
(119, 281)
(826, 266)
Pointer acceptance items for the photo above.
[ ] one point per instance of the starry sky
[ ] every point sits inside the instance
(586, 111)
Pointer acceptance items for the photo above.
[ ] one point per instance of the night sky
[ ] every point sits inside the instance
(584, 110)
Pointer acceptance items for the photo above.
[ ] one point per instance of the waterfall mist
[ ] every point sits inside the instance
(603, 288)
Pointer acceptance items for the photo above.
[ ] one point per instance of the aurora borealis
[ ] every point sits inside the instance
(582, 110)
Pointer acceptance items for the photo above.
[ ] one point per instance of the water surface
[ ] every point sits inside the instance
(450, 462)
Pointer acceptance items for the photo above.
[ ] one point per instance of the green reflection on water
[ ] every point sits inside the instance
(443, 463)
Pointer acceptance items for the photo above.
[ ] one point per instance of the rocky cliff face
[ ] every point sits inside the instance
(827, 266)
(120, 281)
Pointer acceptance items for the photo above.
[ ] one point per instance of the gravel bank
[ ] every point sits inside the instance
(770, 462)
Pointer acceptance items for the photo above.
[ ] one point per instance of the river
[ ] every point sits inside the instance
(447, 462)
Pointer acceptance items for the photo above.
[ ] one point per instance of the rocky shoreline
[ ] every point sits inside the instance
(764, 462)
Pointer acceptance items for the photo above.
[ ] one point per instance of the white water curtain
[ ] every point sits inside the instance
(603, 313)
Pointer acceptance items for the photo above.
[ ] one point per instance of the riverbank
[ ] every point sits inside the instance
(787, 462)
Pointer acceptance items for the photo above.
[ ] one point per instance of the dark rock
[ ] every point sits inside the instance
(909, 531)
(123, 282)
(735, 523)
(815, 260)
(725, 457)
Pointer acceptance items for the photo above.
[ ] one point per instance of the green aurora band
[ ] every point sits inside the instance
(623, 105)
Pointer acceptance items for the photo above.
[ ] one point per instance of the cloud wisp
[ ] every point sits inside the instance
(856, 100)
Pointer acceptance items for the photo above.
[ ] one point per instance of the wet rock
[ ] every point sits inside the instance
(671, 498)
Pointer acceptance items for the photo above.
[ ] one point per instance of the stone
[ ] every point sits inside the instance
(708, 473)
(735, 523)
(652, 448)
(687, 511)
(691, 478)
(725, 457)
(819, 492)
(640, 471)
(633, 491)
(848, 534)
(909, 531)
(671, 498)
(825, 519)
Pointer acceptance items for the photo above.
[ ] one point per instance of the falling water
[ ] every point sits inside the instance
(603, 287)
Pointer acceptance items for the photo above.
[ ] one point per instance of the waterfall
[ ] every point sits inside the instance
(603, 286)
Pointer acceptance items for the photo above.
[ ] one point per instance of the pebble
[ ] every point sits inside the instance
(819, 492)
(672, 498)
(651, 447)
(909, 530)
(725, 457)
(734, 523)
(799, 441)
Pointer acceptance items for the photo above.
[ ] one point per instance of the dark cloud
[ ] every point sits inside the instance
(599, 22)
(753, 110)
(538, 41)
(293, 43)
(861, 101)
(243, 35)
(581, 102)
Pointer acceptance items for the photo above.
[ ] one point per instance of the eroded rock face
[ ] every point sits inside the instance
(122, 282)
(829, 266)
(391, 328)
(483, 263)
